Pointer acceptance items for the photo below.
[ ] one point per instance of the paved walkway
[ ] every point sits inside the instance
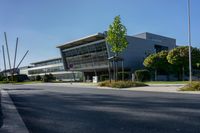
(12, 122)
(168, 88)
(171, 88)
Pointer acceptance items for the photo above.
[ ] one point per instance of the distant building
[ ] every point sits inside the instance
(24, 69)
(51, 66)
(90, 54)
(9, 72)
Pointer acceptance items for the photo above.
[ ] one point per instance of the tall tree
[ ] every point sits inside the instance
(180, 58)
(116, 38)
(157, 61)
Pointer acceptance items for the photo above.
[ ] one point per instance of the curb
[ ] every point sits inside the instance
(12, 122)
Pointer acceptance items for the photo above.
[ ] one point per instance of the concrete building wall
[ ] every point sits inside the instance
(139, 48)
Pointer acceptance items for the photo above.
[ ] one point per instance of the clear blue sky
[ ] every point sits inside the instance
(43, 24)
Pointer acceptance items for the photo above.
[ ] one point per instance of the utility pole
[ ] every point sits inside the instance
(189, 40)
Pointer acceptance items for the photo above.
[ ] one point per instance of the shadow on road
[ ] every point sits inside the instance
(1, 115)
(108, 113)
(26, 89)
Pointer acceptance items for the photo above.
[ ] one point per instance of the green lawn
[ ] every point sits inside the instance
(167, 82)
(29, 82)
(25, 82)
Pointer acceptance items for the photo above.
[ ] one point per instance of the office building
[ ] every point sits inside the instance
(51, 66)
(90, 54)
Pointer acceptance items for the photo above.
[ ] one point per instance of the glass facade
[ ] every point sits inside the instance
(159, 48)
(56, 61)
(69, 76)
(94, 55)
(46, 70)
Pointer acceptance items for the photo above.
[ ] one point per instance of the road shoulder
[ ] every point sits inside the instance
(12, 122)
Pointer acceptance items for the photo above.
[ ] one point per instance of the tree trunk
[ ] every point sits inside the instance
(155, 74)
(183, 73)
(109, 71)
(116, 70)
(122, 70)
(116, 66)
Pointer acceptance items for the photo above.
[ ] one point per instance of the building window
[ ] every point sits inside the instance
(159, 48)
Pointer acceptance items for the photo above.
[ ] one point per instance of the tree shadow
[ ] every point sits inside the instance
(107, 113)
(22, 89)
(1, 115)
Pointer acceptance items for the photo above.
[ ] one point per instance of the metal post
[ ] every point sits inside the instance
(4, 59)
(22, 59)
(15, 55)
(189, 39)
(7, 50)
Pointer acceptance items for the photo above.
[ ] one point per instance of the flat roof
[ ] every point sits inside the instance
(52, 59)
(84, 40)
(149, 33)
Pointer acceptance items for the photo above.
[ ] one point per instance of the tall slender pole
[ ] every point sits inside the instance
(15, 55)
(189, 40)
(4, 60)
(7, 50)
(22, 59)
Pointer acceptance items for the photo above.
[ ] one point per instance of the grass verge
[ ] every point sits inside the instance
(121, 84)
(167, 82)
(194, 86)
(25, 82)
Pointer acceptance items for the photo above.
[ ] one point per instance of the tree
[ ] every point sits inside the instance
(38, 78)
(179, 57)
(116, 38)
(48, 77)
(157, 61)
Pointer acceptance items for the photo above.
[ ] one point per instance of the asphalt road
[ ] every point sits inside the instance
(1, 117)
(51, 109)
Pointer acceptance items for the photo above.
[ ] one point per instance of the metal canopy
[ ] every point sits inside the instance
(88, 39)
(115, 58)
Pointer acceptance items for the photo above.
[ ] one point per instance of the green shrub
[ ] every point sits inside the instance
(48, 78)
(51, 77)
(18, 78)
(194, 86)
(121, 84)
(38, 78)
(104, 77)
(126, 75)
(2, 78)
(142, 75)
(105, 83)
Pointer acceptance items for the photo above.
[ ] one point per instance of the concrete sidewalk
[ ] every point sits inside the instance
(12, 122)
(167, 88)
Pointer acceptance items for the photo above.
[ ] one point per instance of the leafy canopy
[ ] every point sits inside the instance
(116, 36)
(180, 56)
(157, 61)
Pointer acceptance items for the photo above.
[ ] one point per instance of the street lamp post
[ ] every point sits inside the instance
(189, 40)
